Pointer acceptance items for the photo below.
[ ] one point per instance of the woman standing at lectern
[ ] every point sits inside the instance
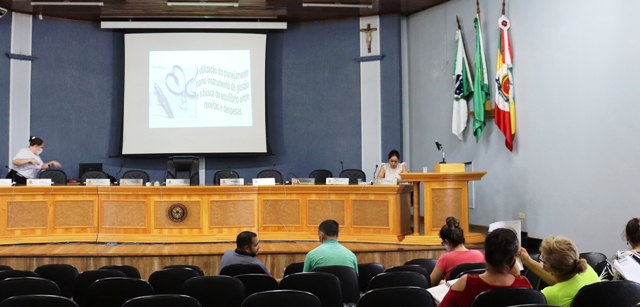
(394, 168)
(27, 162)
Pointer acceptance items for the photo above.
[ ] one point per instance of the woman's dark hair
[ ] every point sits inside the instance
(500, 248)
(452, 232)
(33, 141)
(633, 231)
(394, 153)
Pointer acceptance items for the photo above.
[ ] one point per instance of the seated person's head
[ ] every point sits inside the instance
(394, 158)
(451, 233)
(560, 257)
(328, 229)
(500, 249)
(248, 242)
(632, 232)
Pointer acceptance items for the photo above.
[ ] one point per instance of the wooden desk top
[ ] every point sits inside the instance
(424, 177)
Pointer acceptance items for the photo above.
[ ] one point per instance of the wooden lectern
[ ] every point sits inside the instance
(445, 194)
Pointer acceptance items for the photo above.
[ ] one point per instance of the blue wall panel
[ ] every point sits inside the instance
(5, 47)
(391, 81)
(313, 99)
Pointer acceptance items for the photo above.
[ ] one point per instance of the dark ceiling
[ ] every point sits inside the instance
(247, 10)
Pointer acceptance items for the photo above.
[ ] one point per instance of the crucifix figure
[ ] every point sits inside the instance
(368, 31)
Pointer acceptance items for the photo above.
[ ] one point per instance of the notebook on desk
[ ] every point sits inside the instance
(628, 267)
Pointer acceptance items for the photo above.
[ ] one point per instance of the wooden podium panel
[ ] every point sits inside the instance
(445, 194)
(211, 213)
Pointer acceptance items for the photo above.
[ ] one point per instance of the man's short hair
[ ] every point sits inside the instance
(329, 228)
(245, 238)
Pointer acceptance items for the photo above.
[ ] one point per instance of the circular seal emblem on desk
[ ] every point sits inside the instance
(177, 212)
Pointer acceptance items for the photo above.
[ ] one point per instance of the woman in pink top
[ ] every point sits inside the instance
(453, 240)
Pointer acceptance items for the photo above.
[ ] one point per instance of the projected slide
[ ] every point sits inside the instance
(210, 88)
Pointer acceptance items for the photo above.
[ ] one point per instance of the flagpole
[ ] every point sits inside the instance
(458, 20)
(503, 3)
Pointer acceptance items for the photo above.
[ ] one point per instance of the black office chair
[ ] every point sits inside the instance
(212, 291)
(184, 167)
(608, 293)
(27, 285)
(472, 271)
(508, 297)
(115, 291)
(292, 268)
(136, 174)
(348, 281)
(320, 175)
(399, 279)
(162, 300)
(57, 176)
(282, 298)
(599, 268)
(460, 268)
(254, 283)
(93, 175)
(366, 271)
(188, 266)
(428, 263)
(128, 270)
(170, 281)
(353, 175)
(64, 275)
(84, 280)
(241, 268)
(224, 174)
(397, 296)
(16, 273)
(271, 173)
(329, 294)
(411, 268)
(38, 300)
(593, 258)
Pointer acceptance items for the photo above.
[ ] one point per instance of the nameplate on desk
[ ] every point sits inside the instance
(178, 182)
(385, 181)
(39, 182)
(5, 183)
(264, 181)
(232, 181)
(130, 181)
(98, 181)
(338, 181)
(303, 181)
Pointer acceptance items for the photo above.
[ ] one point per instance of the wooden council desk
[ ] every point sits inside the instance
(213, 213)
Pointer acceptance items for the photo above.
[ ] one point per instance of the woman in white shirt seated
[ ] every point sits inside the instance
(27, 162)
(394, 168)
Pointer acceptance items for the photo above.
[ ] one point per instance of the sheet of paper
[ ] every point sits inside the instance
(438, 292)
(628, 267)
(515, 226)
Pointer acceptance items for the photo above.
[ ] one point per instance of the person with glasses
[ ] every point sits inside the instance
(501, 249)
(452, 237)
(561, 268)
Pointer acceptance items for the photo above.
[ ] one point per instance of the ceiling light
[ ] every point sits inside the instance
(229, 4)
(69, 3)
(343, 5)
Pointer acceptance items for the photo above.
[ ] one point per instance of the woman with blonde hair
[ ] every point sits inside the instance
(561, 268)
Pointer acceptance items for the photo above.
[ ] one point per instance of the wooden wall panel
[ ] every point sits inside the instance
(446, 202)
(319, 210)
(125, 214)
(73, 213)
(231, 213)
(370, 213)
(278, 212)
(26, 214)
(162, 220)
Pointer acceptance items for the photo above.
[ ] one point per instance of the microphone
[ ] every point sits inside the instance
(374, 173)
(342, 165)
(274, 166)
(441, 148)
(230, 171)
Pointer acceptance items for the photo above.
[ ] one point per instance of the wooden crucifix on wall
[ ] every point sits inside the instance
(368, 30)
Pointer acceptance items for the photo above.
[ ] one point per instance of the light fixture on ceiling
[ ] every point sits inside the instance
(342, 5)
(226, 4)
(40, 16)
(66, 3)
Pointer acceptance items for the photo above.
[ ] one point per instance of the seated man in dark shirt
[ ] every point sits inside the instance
(247, 247)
